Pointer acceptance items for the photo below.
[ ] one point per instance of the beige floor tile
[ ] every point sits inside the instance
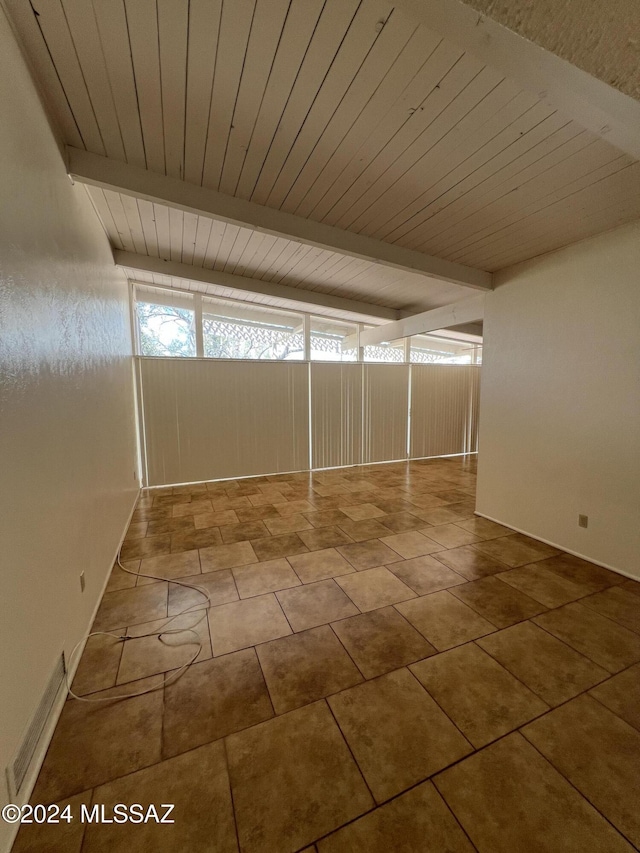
(172, 565)
(374, 588)
(96, 742)
(543, 585)
(227, 556)
(188, 540)
(436, 515)
(315, 604)
(483, 528)
(62, 837)
(621, 694)
(425, 574)
(509, 798)
(427, 501)
(287, 524)
(98, 667)
(324, 537)
(618, 604)
(450, 535)
(444, 620)
(598, 753)
(416, 822)
(194, 507)
(381, 641)
(131, 606)
(257, 513)
(261, 578)
(137, 530)
(215, 519)
(293, 780)
(246, 623)
(360, 531)
(361, 512)
(326, 518)
(591, 577)
(515, 550)
(293, 507)
(305, 667)
(150, 655)
(147, 513)
(219, 585)
(319, 565)
(402, 522)
(396, 732)
(411, 544)
(368, 554)
(451, 496)
(170, 525)
(196, 784)
(118, 579)
(603, 641)
(498, 602)
(549, 667)
(631, 586)
(243, 532)
(279, 546)
(150, 546)
(213, 699)
(470, 563)
(480, 696)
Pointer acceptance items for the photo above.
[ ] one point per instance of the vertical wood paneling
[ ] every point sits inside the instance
(385, 412)
(444, 409)
(336, 415)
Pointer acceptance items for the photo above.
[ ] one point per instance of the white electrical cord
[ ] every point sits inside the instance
(160, 633)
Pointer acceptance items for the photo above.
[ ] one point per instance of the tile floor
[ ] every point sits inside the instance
(381, 670)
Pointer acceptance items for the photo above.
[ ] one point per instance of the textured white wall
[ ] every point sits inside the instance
(67, 447)
(560, 403)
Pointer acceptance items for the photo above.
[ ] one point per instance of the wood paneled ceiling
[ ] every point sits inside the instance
(346, 112)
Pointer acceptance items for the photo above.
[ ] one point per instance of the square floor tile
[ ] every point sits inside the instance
(543, 585)
(324, 537)
(287, 524)
(213, 699)
(374, 588)
(305, 667)
(243, 532)
(381, 641)
(631, 586)
(260, 578)
(319, 565)
(603, 641)
(509, 798)
(436, 515)
(590, 577)
(65, 837)
(516, 550)
(483, 528)
(137, 530)
(411, 544)
(368, 554)
(215, 519)
(326, 518)
(470, 563)
(188, 540)
(131, 606)
(119, 579)
(621, 694)
(273, 547)
(315, 604)
(172, 565)
(618, 604)
(98, 667)
(451, 536)
(425, 574)
(396, 732)
(480, 696)
(363, 511)
(257, 513)
(359, 531)
(194, 507)
(150, 546)
(497, 601)
(401, 522)
(227, 556)
(246, 623)
(171, 525)
(197, 785)
(219, 586)
(293, 780)
(444, 620)
(416, 822)
(598, 753)
(553, 670)
(96, 742)
(292, 507)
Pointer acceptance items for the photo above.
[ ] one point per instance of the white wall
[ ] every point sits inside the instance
(67, 448)
(560, 403)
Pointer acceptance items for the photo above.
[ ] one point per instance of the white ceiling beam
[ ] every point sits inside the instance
(467, 311)
(307, 298)
(97, 171)
(595, 105)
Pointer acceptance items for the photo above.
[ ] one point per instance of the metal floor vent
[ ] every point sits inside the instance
(17, 770)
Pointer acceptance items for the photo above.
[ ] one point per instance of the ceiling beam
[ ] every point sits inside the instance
(466, 311)
(97, 171)
(595, 105)
(241, 283)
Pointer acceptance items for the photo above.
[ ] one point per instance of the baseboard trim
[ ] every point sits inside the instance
(561, 547)
(61, 698)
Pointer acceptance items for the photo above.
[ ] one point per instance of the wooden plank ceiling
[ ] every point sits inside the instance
(341, 111)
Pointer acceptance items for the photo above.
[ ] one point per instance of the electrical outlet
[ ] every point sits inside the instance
(583, 521)
(82, 582)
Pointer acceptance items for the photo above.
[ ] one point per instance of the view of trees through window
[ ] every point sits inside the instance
(165, 330)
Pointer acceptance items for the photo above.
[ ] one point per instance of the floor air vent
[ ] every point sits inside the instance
(17, 770)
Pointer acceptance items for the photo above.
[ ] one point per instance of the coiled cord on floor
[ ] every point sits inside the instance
(159, 633)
